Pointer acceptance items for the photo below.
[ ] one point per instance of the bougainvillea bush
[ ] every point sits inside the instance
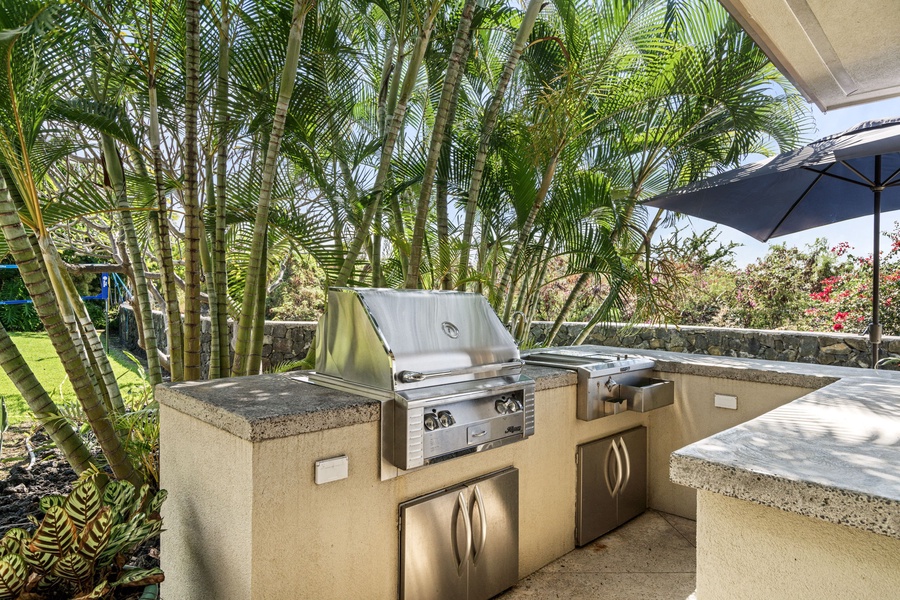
(843, 301)
(817, 288)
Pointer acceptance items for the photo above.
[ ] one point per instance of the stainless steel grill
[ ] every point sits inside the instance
(447, 372)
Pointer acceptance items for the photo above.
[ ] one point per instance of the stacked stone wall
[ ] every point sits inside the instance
(288, 341)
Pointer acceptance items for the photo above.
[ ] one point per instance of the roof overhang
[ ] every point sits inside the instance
(837, 52)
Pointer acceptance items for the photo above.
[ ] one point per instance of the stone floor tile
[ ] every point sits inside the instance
(647, 544)
(652, 557)
(686, 527)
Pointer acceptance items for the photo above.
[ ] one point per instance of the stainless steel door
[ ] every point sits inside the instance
(595, 500)
(494, 514)
(632, 497)
(612, 483)
(435, 545)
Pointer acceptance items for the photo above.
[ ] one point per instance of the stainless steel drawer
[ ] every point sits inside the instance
(648, 394)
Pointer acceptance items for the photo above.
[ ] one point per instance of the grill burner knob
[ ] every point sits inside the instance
(446, 419)
(511, 406)
(501, 407)
(431, 422)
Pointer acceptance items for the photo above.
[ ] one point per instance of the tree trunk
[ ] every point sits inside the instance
(566, 307)
(387, 149)
(242, 349)
(529, 222)
(60, 431)
(117, 179)
(491, 116)
(259, 319)
(191, 197)
(47, 308)
(458, 58)
(219, 312)
(174, 331)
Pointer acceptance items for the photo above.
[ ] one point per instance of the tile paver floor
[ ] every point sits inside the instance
(652, 557)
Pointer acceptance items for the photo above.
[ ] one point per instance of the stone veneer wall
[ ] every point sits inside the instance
(283, 341)
(289, 340)
(791, 346)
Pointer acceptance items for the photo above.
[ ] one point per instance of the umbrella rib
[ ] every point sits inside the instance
(867, 183)
(890, 180)
(800, 199)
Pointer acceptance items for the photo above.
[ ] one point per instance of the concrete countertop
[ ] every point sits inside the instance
(832, 454)
(270, 406)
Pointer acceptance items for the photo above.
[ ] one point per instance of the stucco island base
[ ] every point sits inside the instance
(749, 551)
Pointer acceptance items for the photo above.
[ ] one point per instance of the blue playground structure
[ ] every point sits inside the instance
(114, 295)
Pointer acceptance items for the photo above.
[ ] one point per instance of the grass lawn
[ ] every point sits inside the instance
(42, 359)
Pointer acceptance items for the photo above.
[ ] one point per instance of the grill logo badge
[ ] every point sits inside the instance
(514, 429)
(450, 330)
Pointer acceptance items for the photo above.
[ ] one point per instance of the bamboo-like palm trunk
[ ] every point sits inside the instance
(191, 197)
(491, 116)
(259, 321)
(215, 352)
(117, 179)
(47, 308)
(160, 230)
(218, 311)
(566, 308)
(249, 311)
(525, 231)
(458, 56)
(387, 149)
(60, 430)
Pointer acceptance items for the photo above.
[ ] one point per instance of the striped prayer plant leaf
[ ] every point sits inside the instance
(156, 502)
(12, 541)
(139, 578)
(83, 503)
(56, 533)
(42, 562)
(100, 591)
(12, 576)
(95, 536)
(73, 567)
(118, 495)
(51, 500)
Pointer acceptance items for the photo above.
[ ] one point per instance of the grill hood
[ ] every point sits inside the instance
(394, 340)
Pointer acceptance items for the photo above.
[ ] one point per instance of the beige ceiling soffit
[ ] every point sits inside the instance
(822, 44)
(749, 24)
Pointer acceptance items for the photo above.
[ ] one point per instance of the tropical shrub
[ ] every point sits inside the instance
(80, 548)
(843, 300)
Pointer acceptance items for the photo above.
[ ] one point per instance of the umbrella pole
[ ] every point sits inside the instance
(875, 329)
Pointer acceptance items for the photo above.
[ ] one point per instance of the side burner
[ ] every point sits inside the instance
(608, 384)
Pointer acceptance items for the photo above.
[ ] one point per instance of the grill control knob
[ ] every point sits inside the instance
(511, 406)
(501, 407)
(431, 422)
(446, 419)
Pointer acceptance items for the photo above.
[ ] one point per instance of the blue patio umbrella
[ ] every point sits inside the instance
(836, 178)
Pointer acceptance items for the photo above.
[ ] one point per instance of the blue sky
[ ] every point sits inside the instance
(858, 231)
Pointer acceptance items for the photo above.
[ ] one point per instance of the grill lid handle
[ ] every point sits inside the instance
(414, 376)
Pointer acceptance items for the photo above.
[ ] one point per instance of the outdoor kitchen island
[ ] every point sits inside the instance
(245, 518)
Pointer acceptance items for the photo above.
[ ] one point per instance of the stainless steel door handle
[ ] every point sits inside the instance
(479, 502)
(627, 462)
(618, 486)
(606, 469)
(463, 557)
